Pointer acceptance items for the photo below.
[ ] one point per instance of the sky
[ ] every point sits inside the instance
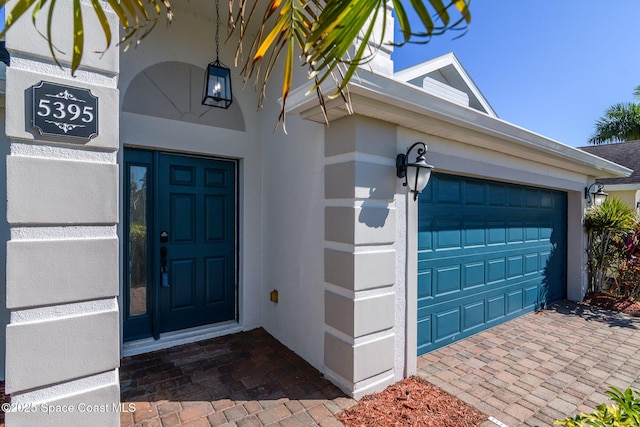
(552, 67)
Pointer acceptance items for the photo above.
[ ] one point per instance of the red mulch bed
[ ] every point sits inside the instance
(4, 398)
(623, 304)
(412, 402)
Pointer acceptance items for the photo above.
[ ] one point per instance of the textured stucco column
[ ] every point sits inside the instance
(62, 343)
(360, 256)
(577, 277)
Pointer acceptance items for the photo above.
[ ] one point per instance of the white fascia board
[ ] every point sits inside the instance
(371, 91)
(622, 187)
(426, 67)
(439, 63)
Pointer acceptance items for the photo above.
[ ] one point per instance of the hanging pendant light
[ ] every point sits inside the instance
(217, 80)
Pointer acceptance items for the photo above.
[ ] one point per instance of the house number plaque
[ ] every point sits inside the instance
(67, 111)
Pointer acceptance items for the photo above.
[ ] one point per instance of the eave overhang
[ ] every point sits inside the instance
(384, 98)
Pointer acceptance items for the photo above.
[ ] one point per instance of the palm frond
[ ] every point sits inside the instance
(331, 38)
(621, 122)
(137, 19)
(284, 29)
(435, 22)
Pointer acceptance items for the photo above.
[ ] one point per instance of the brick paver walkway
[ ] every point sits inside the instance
(529, 371)
(245, 380)
(542, 366)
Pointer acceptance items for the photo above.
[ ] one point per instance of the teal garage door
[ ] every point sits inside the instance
(487, 252)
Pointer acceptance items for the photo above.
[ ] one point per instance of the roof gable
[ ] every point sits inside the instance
(445, 77)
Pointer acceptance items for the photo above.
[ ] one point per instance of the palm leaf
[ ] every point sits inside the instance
(78, 35)
(137, 19)
(621, 122)
(284, 29)
(102, 19)
(317, 34)
(324, 33)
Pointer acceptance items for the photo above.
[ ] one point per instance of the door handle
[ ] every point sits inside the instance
(164, 275)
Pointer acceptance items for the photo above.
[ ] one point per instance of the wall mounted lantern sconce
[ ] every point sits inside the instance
(597, 197)
(217, 81)
(416, 175)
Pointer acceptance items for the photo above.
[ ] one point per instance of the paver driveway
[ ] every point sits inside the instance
(529, 371)
(542, 366)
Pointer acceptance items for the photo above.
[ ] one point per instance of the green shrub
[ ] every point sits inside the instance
(607, 226)
(627, 280)
(625, 412)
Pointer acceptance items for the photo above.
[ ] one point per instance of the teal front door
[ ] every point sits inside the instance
(180, 233)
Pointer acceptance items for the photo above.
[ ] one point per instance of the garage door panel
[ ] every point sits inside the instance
(495, 308)
(425, 236)
(515, 232)
(516, 197)
(473, 315)
(447, 324)
(424, 283)
(531, 296)
(460, 317)
(531, 233)
(545, 232)
(504, 289)
(448, 191)
(447, 280)
(496, 271)
(506, 257)
(448, 235)
(515, 266)
(474, 194)
(497, 233)
(428, 259)
(531, 264)
(497, 195)
(474, 234)
(475, 272)
(424, 333)
(445, 234)
(546, 199)
(532, 198)
(473, 275)
(514, 301)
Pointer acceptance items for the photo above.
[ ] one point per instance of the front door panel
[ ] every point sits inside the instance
(196, 209)
(180, 233)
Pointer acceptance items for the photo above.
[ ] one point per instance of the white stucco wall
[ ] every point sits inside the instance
(293, 229)
(4, 236)
(61, 344)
